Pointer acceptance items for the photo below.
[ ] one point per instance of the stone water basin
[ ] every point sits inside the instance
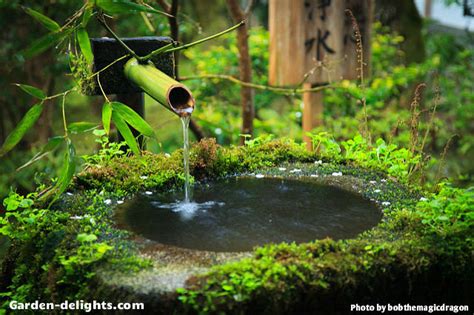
(239, 213)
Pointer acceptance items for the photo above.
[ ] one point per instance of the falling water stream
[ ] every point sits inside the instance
(187, 186)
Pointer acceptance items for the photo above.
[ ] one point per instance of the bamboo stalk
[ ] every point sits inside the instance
(168, 92)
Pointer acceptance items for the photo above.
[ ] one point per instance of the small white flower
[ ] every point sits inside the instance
(148, 193)
(383, 180)
(143, 177)
(314, 175)
(336, 174)
(377, 191)
(423, 199)
(108, 201)
(318, 162)
(373, 182)
(260, 176)
(101, 193)
(282, 168)
(76, 217)
(167, 155)
(385, 203)
(295, 170)
(119, 202)
(69, 193)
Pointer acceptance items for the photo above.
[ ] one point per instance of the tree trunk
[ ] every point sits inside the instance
(245, 67)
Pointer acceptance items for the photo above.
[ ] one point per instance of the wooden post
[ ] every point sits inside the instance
(313, 40)
(427, 9)
(312, 112)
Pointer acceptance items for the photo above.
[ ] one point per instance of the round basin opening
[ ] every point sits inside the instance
(240, 213)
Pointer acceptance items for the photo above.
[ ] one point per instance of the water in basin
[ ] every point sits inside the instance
(239, 213)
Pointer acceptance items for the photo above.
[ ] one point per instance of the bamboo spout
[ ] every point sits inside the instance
(167, 91)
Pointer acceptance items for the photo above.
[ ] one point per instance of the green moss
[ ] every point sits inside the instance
(128, 174)
(55, 252)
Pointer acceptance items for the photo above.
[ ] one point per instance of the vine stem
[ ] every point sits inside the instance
(60, 94)
(64, 116)
(200, 41)
(281, 90)
(107, 27)
(101, 89)
(107, 66)
(172, 47)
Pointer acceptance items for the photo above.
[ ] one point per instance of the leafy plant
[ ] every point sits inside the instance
(325, 145)
(108, 149)
(451, 211)
(87, 253)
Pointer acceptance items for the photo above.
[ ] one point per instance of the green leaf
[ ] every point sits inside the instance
(52, 144)
(85, 45)
(133, 119)
(106, 116)
(82, 126)
(67, 172)
(44, 20)
(33, 91)
(99, 132)
(125, 6)
(43, 43)
(125, 132)
(83, 237)
(23, 126)
(86, 16)
(26, 203)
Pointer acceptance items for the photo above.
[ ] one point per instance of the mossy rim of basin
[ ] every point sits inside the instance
(397, 259)
(173, 265)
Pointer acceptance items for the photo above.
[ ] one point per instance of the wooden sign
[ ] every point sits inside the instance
(314, 40)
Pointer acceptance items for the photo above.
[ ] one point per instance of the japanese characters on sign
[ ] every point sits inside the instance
(314, 40)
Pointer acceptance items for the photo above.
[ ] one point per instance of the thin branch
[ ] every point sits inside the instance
(107, 66)
(165, 49)
(158, 51)
(143, 3)
(148, 24)
(101, 89)
(60, 94)
(281, 90)
(200, 41)
(64, 115)
(73, 17)
(248, 8)
(130, 51)
(437, 100)
(165, 5)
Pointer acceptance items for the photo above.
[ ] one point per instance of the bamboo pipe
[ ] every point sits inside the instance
(168, 92)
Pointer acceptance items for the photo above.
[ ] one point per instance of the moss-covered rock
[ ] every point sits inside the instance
(418, 253)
